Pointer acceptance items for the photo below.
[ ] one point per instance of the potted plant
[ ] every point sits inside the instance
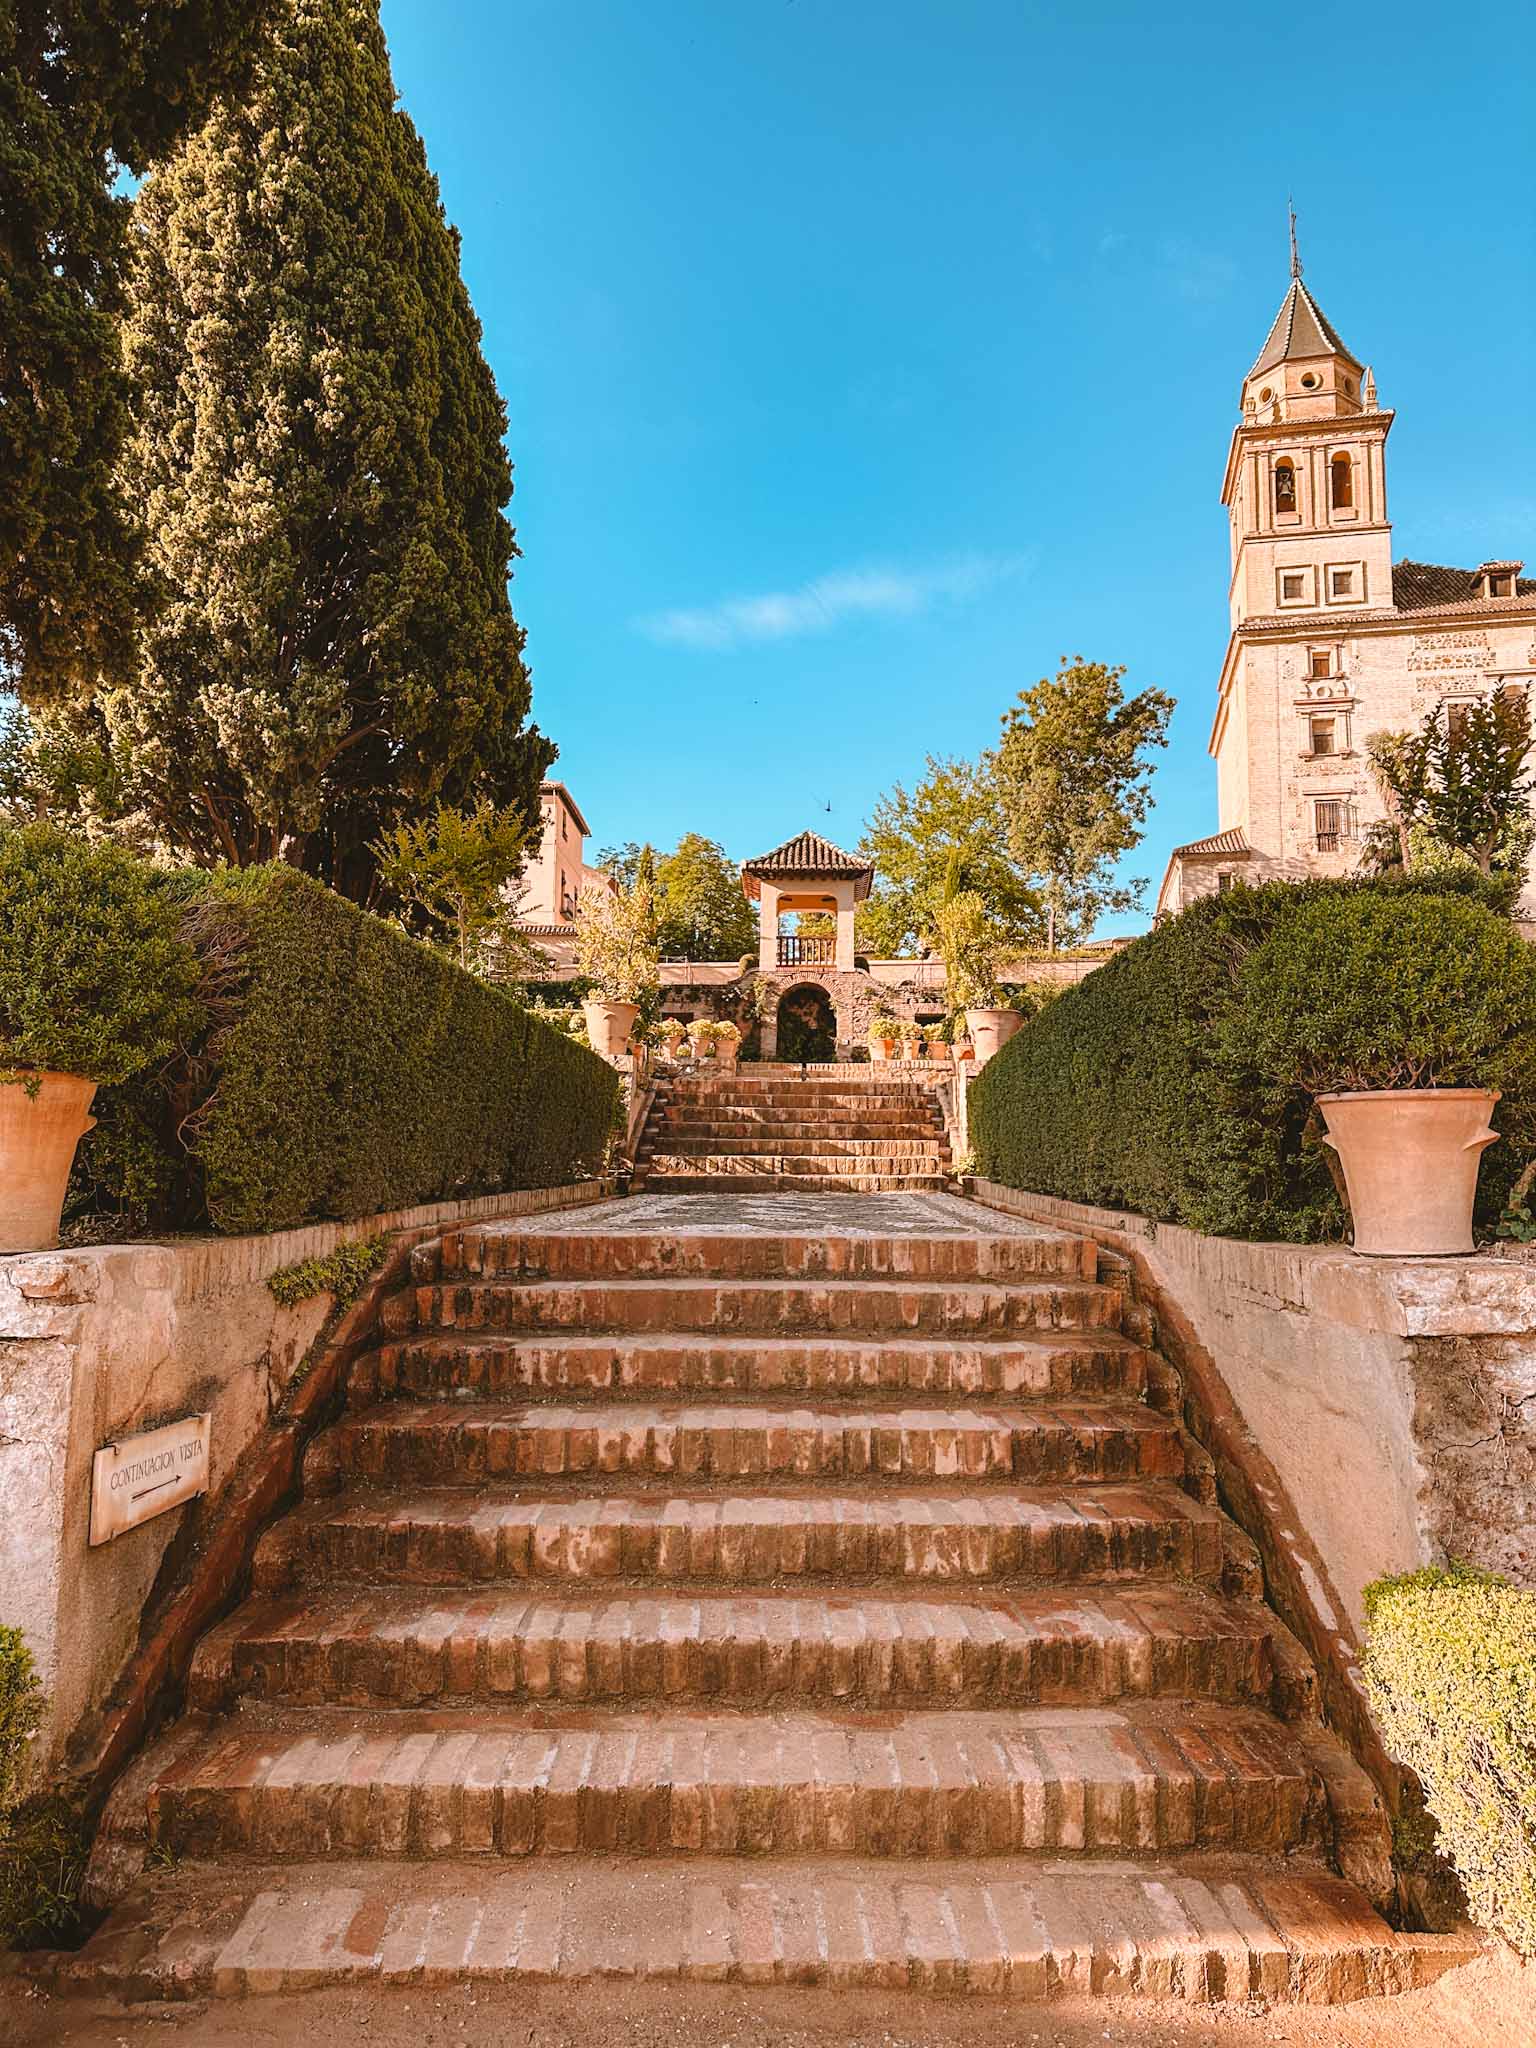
(669, 1033)
(1403, 1017)
(96, 983)
(936, 1038)
(727, 1042)
(912, 1040)
(616, 948)
(702, 1038)
(970, 946)
(884, 1030)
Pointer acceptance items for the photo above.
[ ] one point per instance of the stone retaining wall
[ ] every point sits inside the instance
(110, 1340)
(1395, 1398)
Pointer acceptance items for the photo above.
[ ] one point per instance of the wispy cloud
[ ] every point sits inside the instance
(829, 601)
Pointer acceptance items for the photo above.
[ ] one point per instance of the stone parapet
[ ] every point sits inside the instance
(106, 1341)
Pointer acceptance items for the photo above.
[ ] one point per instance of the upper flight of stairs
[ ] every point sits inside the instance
(829, 1130)
(835, 1601)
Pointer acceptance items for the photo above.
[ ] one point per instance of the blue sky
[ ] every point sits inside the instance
(863, 358)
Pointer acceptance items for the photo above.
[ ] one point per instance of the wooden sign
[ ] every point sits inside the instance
(139, 1478)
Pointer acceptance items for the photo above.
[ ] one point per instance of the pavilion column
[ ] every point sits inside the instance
(768, 927)
(845, 931)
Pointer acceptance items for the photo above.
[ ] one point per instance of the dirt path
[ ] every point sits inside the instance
(1490, 2005)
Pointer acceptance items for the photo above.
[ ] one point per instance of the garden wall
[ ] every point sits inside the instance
(108, 1341)
(1395, 1399)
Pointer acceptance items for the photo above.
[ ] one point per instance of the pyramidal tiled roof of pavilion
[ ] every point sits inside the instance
(807, 854)
(1301, 329)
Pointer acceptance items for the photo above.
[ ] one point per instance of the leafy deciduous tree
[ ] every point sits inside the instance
(84, 91)
(702, 912)
(1460, 785)
(1073, 776)
(317, 451)
(455, 867)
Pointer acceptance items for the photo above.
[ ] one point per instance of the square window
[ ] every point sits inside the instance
(1324, 732)
(1320, 663)
(1341, 582)
(1293, 586)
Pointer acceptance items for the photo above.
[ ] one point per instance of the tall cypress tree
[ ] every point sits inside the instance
(317, 457)
(85, 88)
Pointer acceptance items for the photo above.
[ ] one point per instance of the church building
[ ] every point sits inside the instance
(1330, 639)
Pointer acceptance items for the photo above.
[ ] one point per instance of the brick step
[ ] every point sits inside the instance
(564, 1531)
(800, 1161)
(373, 1646)
(770, 1177)
(809, 1141)
(1144, 1778)
(1054, 1363)
(694, 1118)
(762, 1307)
(788, 1084)
(454, 1443)
(1203, 1929)
(616, 1254)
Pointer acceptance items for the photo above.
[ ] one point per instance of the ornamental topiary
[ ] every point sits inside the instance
(95, 977)
(1362, 991)
(1450, 1666)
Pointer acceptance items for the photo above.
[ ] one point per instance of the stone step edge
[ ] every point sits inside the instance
(450, 1653)
(1199, 1931)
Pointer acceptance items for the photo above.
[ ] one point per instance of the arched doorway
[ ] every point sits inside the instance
(807, 1024)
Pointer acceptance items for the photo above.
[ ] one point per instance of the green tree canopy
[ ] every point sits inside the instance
(945, 835)
(1457, 788)
(1073, 778)
(454, 868)
(703, 913)
(84, 90)
(317, 450)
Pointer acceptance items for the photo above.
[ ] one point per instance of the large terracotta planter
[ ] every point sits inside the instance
(1410, 1158)
(912, 1049)
(38, 1136)
(991, 1030)
(609, 1025)
(726, 1050)
(881, 1049)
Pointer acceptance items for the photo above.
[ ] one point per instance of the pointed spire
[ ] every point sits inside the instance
(1368, 391)
(1295, 256)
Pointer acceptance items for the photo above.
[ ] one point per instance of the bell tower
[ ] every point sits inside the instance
(1306, 484)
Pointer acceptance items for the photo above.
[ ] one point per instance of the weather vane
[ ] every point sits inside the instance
(1295, 257)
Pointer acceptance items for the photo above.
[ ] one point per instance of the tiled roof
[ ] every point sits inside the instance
(559, 789)
(1424, 586)
(1230, 841)
(807, 854)
(1300, 329)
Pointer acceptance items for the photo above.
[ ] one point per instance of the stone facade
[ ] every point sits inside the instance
(1330, 640)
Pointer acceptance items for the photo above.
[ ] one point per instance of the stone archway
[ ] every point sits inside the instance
(807, 1024)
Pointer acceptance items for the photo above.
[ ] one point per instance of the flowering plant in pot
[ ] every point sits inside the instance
(617, 950)
(669, 1033)
(1404, 1018)
(703, 1038)
(96, 983)
(970, 945)
(884, 1032)
(936, 1040)
(727, 1042)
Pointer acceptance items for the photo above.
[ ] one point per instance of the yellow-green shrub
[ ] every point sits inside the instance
(1450, 1665)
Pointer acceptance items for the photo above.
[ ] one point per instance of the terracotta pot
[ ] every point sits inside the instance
(609, 1025)
(991, 1030)
(965, 1052)
(38, 1136)
(726, 1050)
(702, 1049)
(1410, 1158)
(912, 1048)
(881, 1048)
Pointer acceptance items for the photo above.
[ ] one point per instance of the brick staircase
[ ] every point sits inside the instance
(763, 1590)
(836, 1129)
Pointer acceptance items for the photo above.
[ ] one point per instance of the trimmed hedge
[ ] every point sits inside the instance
(1145, 1088)
(349, 1070)
(1450, 1666)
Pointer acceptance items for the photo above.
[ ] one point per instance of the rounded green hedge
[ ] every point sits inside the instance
(95, 976)
(1168, 1082)
(1450, 1667)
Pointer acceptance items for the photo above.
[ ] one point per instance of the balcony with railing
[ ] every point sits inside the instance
(797, 949)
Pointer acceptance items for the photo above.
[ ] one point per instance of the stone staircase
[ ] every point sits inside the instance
(836, 1129)
(767, 1590)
